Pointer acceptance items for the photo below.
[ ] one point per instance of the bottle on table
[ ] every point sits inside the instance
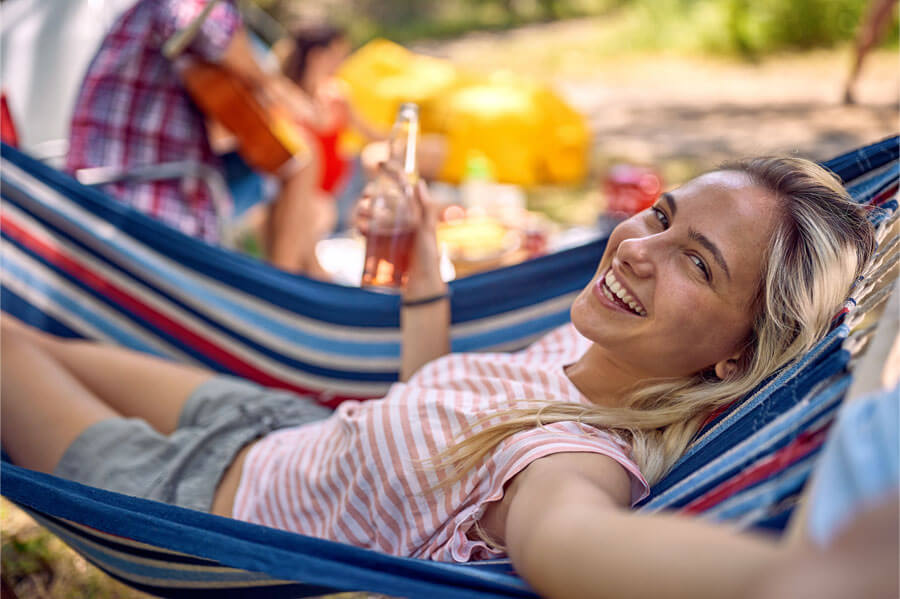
(477, 186)
(391, 228)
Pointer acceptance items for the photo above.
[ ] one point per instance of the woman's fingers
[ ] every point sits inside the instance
(395, 174)
(428, 207)
(362, 213)
(382, 205)
(372, 156)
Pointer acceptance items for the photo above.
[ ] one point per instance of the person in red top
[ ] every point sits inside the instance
(311, 56)
(133, 110)
(315, 56)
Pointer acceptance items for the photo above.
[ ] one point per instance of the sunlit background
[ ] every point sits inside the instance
(621, 88)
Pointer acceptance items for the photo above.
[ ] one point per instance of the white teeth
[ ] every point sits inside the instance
(621, 293)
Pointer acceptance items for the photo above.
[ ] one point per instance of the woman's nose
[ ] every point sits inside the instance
(636, 255)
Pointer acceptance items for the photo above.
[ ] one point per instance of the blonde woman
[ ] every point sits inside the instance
(534, 454)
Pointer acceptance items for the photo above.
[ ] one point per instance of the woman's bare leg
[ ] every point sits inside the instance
(871, 30)
(44, 407)
(129, 383)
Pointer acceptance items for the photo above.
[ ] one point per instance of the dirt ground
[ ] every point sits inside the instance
(687, 113)
(684, 109)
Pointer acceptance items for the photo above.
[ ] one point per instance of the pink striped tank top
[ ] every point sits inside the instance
(359, 478)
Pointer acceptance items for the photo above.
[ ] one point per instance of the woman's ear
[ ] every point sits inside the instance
(725, 368)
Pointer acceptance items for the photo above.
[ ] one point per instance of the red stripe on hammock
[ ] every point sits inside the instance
(802, 446)
(885, 195)
(105, 288)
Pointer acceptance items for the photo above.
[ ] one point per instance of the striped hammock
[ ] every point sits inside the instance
(78, 264)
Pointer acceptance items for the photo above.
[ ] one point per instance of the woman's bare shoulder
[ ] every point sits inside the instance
(555, 480)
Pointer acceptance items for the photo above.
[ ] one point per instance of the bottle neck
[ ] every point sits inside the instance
(404, 140)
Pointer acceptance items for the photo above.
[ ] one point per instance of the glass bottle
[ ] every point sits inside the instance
(391, 229)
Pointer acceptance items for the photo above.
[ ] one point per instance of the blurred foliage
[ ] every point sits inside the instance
(756, 26)
(747, 28)
(744, 28)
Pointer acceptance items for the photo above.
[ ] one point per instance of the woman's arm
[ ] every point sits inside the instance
(425, 335)
(569, 536)
(425, 327)
(861, 561)
(425, 311)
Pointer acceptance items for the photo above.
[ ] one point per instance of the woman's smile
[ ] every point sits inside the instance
(614, 294)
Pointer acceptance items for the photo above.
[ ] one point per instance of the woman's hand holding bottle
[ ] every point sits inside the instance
(406, 229)
(399, 220)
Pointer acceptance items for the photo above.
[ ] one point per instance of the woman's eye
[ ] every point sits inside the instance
(660, 216)
(701, 266)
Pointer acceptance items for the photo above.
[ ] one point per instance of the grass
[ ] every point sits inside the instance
(36, 564)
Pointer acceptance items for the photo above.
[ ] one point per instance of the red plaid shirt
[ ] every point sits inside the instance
(132, 110)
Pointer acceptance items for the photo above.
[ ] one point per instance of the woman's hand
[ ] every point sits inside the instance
(424, 276)
(421, 213)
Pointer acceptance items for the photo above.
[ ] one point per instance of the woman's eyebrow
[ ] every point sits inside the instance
(713, 249)
(670, 201)
(698, 237)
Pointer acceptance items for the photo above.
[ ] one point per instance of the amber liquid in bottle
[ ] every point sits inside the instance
(389, 240)
(387, 257)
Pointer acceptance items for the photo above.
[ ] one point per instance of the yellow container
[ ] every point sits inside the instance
(527, 132)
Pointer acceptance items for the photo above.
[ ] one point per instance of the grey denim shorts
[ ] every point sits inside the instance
(184, 468)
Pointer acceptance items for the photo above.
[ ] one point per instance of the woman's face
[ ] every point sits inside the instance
(326, 60)
(674, 290)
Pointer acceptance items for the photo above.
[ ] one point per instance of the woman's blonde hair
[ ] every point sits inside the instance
(816, 253)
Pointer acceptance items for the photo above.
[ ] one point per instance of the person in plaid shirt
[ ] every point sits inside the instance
(133, 110)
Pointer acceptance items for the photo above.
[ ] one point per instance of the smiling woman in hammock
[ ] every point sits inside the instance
(535, 454)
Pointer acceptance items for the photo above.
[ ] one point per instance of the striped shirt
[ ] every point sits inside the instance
(358, 477)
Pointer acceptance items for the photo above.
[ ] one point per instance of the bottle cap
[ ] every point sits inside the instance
(408, 108)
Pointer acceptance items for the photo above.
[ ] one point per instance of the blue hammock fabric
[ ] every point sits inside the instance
(77, 263)
(746, 466)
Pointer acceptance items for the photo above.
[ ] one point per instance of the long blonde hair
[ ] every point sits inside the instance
(815, 254)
